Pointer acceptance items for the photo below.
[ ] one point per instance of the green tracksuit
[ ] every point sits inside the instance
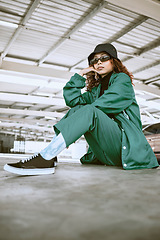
(110, 123)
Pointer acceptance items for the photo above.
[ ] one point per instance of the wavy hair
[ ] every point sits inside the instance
(93, 80)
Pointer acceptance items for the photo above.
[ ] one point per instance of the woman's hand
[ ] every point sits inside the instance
(87, 70)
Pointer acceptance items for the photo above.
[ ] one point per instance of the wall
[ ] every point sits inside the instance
(6, 142)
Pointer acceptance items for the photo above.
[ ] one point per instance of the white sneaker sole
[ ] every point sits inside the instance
(22, 171)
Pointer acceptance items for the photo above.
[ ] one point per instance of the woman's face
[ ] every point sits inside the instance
(105, 67)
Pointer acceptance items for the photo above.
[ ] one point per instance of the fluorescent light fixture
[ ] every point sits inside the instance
(8, 24)
(51, 118)
(17, 60)
(22, 80)
(45, 94)
(32, 81)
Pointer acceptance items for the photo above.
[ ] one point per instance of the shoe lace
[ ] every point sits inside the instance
(29, 158)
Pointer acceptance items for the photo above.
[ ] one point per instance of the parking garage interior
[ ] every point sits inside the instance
(43, 43)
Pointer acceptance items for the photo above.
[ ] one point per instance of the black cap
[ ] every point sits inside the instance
(106, 47)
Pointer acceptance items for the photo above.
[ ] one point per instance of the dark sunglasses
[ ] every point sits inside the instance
(102, 59)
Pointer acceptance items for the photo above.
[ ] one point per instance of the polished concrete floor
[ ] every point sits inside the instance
(80, 203)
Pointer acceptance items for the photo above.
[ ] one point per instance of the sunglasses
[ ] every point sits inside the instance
(102, 59)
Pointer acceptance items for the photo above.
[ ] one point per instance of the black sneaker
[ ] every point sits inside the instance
(34, 165)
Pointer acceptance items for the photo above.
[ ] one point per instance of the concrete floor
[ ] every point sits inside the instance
(80, 203)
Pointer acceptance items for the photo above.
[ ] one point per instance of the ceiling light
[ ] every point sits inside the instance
(48, 117)
(8, 24)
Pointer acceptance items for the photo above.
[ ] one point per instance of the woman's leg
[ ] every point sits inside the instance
(106, 150)
(57, 144)
(101, 132)
(90, 158)
(45, 161)
(86, 120)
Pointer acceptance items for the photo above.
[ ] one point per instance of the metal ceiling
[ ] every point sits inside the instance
(42, 43)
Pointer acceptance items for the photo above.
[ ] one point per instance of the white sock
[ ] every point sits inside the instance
(56, 146)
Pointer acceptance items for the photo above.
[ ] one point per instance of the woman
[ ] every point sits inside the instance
(107, 115)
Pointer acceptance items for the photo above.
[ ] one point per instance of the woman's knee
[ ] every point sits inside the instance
(85, 109)
(72, 110)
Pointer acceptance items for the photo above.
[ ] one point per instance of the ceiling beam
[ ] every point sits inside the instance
(148, 89)
(148, 103)
(73, 30)
(146, 7)
(38, 71)
(155, 43)
(41, 122)
(28, 136)
(152, 80)
(31, 99)
(136, 22)
(21, 26)
(155, 63)
(31, 113)
(24, 127)
(148, 47)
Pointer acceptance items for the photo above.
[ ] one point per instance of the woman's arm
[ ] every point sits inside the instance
(72, 90)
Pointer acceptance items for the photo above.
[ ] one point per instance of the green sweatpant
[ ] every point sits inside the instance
(101, 132)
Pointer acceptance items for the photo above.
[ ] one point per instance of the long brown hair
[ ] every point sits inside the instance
(93, 80)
